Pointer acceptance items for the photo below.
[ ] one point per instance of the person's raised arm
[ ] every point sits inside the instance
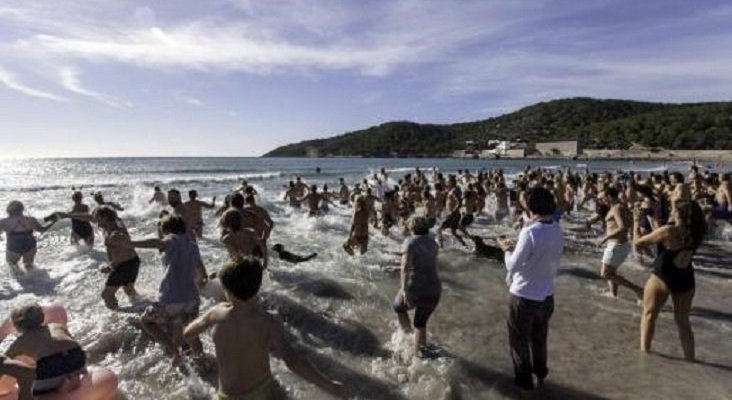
(657, 236)
(281, 348)
(209, 205)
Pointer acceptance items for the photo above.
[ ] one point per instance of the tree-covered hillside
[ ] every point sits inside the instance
(613, 124)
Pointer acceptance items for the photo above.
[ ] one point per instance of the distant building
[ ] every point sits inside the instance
(570, 148)
(520, 149)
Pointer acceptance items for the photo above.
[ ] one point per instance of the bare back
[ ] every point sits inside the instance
(242, 340)
(243, 243)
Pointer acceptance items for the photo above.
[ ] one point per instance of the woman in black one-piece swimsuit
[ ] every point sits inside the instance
(673, 272)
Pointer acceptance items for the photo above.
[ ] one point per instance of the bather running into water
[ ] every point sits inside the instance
(19, 228)
(81, 230)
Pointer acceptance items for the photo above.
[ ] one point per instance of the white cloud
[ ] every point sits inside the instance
(12, 83)
(190, 100)
(69, 79)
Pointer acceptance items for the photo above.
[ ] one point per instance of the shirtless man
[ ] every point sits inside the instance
(723, 199)
(195, 211)
(250, 219)
(245, 335)
(124, 264)
(158, 197)
(246, 189)
(502, 210)
(300, 187)
(430, 207)
(99, 199)
(453, 220)
(262, 213)
(359, 234)
(470, 206)
(389, 211)
(241, 242)
(81, 230)
(20, 242)
(344, 193)
(313, 199)
(326, 199)
(179, 209)
(371, 206)
(291, 195)
(618, 223)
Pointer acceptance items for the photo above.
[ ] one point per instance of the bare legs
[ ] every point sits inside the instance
(109, 295)
(420, 334)
(614, 281)
(654, 297)
(28, 258)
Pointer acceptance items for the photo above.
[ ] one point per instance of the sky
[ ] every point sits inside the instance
(240, 77)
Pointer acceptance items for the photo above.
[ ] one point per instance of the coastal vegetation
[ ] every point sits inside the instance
(597, 123)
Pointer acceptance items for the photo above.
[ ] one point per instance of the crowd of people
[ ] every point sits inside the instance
(662, 217)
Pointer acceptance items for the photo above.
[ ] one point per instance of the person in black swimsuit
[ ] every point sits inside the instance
(19, 229)
(673, 272)
(81, 230)
(60, 361)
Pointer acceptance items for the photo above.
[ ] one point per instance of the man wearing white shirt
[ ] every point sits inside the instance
(531, 267)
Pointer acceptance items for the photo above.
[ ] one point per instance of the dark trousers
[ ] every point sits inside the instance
(528, 326)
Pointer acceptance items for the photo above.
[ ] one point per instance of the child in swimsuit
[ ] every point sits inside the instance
(244, 336)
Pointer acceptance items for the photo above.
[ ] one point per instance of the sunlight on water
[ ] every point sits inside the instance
(339, 307)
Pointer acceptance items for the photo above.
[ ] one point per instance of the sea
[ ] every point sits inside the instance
(338, 308)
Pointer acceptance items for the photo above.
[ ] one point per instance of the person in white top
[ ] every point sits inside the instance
(532, 266)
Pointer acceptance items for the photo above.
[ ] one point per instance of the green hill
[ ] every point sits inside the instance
(612, 124)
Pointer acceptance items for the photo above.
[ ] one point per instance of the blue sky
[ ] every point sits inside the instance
(240, 77)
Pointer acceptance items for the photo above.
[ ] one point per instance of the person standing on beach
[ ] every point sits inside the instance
(532, 266)
(420, 282)
(245, 336)
(195, 210)
(673, 272)
(618, 223)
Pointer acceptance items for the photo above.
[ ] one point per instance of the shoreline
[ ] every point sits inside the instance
(588, 155)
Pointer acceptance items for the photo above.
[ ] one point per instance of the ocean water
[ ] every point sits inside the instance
(338, 308)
